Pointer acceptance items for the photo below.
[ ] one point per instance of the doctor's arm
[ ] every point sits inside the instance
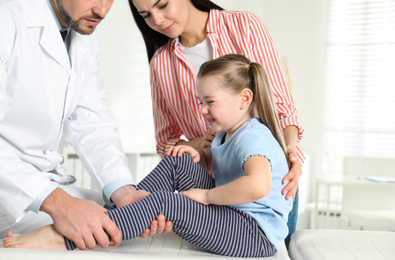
(20, 182)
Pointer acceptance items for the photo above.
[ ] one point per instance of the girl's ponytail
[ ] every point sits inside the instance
(264, 102)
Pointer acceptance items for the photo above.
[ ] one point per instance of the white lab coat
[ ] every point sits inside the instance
(42, 96)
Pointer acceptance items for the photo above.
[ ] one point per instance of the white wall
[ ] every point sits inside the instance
(124, 70)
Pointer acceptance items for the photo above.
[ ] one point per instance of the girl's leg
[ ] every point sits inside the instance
(220, 229)
(177, 173)
(45, 237)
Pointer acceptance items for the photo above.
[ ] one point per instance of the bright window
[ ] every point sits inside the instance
(359, 82)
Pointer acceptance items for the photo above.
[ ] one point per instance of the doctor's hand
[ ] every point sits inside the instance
(128, 194)
(82, 221)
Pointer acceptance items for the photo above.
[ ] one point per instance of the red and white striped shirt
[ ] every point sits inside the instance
(174, 98)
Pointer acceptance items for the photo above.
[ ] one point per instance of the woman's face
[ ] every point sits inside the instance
(168, 17)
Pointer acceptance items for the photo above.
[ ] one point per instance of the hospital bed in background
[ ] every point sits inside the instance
(361, 200)
(331, 244)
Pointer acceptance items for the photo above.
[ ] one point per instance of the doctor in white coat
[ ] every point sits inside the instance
(50, 88)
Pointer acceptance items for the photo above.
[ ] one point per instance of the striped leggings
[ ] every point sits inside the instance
(220, 229)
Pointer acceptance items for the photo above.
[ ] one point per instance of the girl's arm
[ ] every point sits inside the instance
(254, 185)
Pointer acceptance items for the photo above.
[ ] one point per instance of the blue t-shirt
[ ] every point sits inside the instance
(253, 138)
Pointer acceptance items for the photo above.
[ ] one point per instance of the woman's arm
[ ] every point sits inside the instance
(291, 137)
(205, 160)
(167, 131)
(254, 185)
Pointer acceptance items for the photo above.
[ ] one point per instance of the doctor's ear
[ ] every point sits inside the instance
(246, 98)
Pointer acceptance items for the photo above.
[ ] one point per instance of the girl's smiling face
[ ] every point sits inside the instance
(222, 109)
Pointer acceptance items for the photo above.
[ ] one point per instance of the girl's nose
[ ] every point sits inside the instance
(203, 110)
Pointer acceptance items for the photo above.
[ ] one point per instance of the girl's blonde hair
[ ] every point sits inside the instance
(238, 73)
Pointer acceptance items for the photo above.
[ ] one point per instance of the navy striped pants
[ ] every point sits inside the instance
(220, 229)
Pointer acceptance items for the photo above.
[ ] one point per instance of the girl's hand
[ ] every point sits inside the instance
(293, 176)
(197, 195)
(178, 150)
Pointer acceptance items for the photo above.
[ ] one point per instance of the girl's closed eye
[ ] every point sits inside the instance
(208, 102)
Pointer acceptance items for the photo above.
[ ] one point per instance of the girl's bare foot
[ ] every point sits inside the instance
(42, 238)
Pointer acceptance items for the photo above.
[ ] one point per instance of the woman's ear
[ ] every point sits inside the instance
(246, 96)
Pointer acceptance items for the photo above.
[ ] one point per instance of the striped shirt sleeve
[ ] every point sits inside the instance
(167, 131)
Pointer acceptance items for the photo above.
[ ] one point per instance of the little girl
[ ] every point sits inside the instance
(240, 213)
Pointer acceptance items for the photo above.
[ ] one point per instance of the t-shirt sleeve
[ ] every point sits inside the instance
(256, 142)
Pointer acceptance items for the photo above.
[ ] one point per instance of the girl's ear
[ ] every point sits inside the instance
(246, 98)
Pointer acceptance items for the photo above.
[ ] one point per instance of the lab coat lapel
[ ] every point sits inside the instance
(55, 47)
(77, 57)
(77, 50)
(37, 14)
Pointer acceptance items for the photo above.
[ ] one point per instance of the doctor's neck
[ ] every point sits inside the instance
(60, 18)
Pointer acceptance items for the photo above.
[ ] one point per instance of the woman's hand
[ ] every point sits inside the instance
(158, 226)
(291, 137)
(180, 149)
(202, 142)
(293, 176)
